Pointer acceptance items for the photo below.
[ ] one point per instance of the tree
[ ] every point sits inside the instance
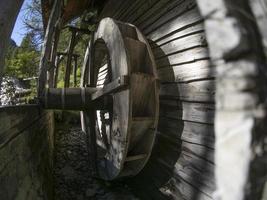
(33, 21)
(34, 25)
(23, 61)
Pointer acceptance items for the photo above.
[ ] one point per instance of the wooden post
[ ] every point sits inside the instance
(85, 67)
(75, 70)
(46, 49)
(69, 59)
(52, 70)
(8, 16)
(59, 58)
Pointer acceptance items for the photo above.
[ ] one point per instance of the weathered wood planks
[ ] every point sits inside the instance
(175, 31)
(197, 91)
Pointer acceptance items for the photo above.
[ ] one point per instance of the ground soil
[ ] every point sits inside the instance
(73, 173)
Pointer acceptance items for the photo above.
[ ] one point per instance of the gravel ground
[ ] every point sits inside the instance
(72, 172)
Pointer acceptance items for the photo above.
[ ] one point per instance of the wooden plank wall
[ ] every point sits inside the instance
(181, 165)
(26, 152)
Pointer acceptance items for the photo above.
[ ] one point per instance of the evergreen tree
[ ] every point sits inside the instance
(33, 21)
(22, 62)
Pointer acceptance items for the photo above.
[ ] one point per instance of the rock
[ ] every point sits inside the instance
(73, 179)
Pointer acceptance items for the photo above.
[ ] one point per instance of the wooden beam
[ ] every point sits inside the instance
(57, 64)
(115, 85)
(68, 98)
(47, 45)
(75, 66)
(69, 59)
(53, 56)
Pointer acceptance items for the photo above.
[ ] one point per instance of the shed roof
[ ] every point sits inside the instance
(72, 8)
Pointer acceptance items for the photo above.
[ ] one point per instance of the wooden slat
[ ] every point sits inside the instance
(103, 70)
(192, 132)
(196, 112)
(188, 72)
(184, 56)
(181, 44)
(197, 172)
(168, 14)
(136, 10)
(137, 55)
(191, 29)
(51, 71)
(136, 157)
(139, 124)
(154, 11)
(199, 151)
(69, 59)
(75, 67)
(187, 190)
(160, 29)
(167, 150)
(143, 94)
(112, 9)
(111, 87)
(57, 64)
(15, 119)
(198, 91)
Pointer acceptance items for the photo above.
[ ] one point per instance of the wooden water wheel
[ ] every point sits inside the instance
(125, 128)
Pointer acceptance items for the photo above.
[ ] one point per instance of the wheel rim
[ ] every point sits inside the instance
(125, 131)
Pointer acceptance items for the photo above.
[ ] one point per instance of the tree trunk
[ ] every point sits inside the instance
(8, 16)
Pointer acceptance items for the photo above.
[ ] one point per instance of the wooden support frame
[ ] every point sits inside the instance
(47, 45)
(75, 67)
(52, 70)
(57, 64)
(69, 59)
(58, 61)
(114, 86)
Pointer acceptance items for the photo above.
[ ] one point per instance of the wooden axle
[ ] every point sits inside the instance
(68, 98)
(81, 98)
